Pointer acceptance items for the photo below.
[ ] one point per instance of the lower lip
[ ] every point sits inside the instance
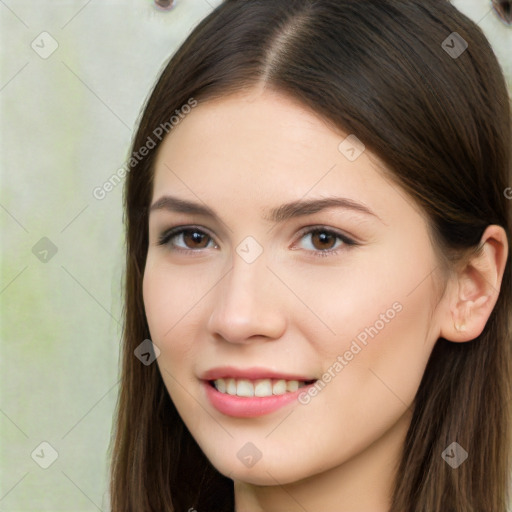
(250, 407)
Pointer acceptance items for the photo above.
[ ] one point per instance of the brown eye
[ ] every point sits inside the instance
(323, 240)
(194, 239)
(186, 239)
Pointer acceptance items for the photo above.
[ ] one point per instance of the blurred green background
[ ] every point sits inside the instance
(73, 77)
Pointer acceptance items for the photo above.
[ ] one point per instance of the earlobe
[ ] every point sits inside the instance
(475, 288)
(470, 316)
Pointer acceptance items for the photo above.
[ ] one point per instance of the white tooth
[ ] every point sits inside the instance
(244, 387)
(231, 386)
(279, 387)
(292, 385)
(220, 384)
(263, 387)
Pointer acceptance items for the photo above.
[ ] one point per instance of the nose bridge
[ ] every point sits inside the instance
(245, 287)
(245, 304)
(244, 283)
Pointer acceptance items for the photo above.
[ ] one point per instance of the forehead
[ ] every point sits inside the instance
(259, 134)
(264, 119)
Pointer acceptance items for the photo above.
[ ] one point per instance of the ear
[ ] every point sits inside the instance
(474, 289)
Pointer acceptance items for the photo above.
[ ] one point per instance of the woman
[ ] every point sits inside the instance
(318, 240)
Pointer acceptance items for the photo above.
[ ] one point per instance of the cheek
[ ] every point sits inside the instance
(385, 346)
(170, 297)
(380, 318)
(166, 302)
(169, 304)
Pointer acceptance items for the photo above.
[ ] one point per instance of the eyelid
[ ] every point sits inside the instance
(168, 234)
(347, 241)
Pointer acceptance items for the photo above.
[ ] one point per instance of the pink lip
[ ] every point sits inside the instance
(249, 407)
(226, 372)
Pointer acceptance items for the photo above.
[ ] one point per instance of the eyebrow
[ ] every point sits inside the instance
(279, 214)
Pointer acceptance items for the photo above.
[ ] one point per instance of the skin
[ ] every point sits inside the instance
(296, 312)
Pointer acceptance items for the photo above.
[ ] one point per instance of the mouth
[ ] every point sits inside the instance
(246, 398)
(257, 388)
(255, 391)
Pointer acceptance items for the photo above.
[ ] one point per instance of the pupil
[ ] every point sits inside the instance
(324, 238)
(196, 238)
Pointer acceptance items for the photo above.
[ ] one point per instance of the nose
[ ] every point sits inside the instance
(246, 304)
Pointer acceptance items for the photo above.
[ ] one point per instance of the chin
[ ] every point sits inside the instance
(264, 473)
(260, 476)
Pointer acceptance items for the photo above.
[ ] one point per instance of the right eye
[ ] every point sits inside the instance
(186, 238)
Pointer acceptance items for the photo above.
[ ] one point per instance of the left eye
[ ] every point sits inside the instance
(324, 240)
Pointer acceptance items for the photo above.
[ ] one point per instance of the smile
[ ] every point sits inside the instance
(258, 388)
(250, 399)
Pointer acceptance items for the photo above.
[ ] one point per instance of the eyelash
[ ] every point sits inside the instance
(166, 237)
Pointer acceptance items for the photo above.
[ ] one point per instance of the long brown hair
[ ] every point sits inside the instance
(440, 121)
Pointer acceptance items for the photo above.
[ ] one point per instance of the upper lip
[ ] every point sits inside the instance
(254, 373)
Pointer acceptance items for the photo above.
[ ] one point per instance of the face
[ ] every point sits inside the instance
(324, 309)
